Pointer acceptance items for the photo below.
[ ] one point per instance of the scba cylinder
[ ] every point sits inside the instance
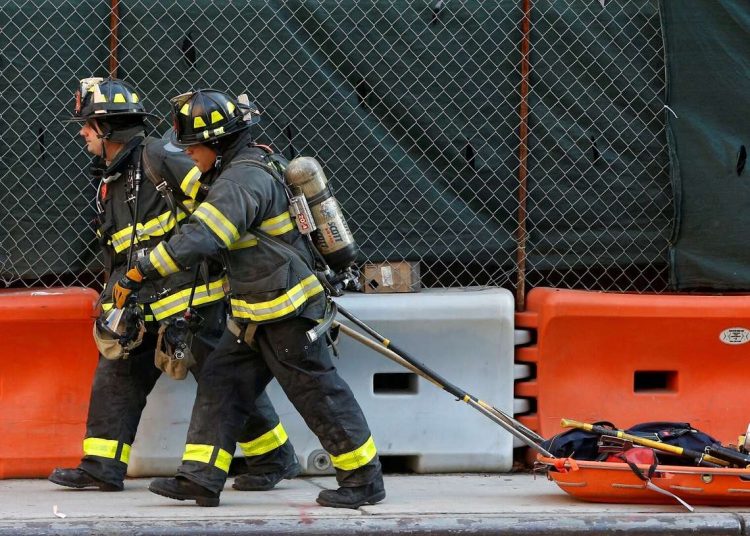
(332, 236)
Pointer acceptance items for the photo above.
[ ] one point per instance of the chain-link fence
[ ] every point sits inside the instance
(495, 142)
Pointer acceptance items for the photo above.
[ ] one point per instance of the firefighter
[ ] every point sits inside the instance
(275, 298)
(129, 165)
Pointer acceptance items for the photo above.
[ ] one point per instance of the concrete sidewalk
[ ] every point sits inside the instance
(511, 504)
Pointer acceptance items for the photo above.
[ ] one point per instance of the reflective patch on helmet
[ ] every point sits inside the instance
(185, 109)
(230, 107)
(134, 97)
(198, 122)
(119, 97)
(216, 117)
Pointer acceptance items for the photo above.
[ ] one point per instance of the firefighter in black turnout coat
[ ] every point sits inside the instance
(129, 164)
(274, 296)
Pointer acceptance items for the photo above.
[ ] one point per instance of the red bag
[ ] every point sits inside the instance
(635, 455)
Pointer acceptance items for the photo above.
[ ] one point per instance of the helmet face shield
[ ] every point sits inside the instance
(118, 332)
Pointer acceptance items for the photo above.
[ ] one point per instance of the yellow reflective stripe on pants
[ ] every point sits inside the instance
(349, 461)
(162, 261)
(204, 454)
(265, 443)
(106, 448)
(178, 302)
(217, 222)
(285, 304)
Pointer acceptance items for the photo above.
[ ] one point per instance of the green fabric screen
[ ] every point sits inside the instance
(708, 79)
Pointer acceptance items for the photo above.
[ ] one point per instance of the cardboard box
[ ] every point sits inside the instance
(390, 276)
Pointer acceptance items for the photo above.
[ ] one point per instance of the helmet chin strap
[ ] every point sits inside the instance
(217, 160)
(103, 136)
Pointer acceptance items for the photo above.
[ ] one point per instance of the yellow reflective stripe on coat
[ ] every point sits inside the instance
(204, 453)
(272, 439)
(158, 226)
(285, 304)
(356, 458)
(277, 225)
(247, 240)
(217, 222)
(106, 448)
(191, 183)
(146, 317)
(162, 261)
(178, 302)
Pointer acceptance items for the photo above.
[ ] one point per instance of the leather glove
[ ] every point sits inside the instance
(124, 288)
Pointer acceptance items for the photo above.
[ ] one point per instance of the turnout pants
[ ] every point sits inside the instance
(236, 373)
(118, 396)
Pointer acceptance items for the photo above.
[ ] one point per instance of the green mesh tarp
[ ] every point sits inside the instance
(412, 107)
(708, 80)
(599, 188)
(47, 201)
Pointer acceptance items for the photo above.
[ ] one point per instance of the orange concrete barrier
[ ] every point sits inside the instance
(47, 362)
(630, 358)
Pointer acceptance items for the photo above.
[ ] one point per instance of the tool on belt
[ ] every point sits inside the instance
(173, 354)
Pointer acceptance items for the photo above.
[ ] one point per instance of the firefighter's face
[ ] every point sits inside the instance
(90, 133)
(203, 156)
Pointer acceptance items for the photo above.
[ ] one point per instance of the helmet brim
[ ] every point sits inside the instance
(171, 145)
(184, 145)
(82, 119)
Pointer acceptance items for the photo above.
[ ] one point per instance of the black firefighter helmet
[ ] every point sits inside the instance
(107, 98)
(205, 115)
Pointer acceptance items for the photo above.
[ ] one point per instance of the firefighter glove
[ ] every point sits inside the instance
(126, 286)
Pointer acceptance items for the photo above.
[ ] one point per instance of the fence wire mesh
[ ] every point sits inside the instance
(490, 149)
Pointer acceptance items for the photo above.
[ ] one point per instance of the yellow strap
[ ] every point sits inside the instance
(349, 461)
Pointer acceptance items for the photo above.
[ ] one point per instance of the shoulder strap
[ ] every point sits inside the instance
(175, 197)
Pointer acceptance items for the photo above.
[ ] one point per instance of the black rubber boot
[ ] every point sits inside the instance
(353, 497)
(78, 478)
(183, 489)
(266, 481)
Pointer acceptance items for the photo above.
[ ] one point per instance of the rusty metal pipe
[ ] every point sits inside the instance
(523, 156)
(114, 23)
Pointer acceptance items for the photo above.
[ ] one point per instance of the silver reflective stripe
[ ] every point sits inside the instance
(247, 240)
(158, 226)
(279, 307)
(278, 224)
(161, 261)
(191, 183)
(178, 302)
(217, 222)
